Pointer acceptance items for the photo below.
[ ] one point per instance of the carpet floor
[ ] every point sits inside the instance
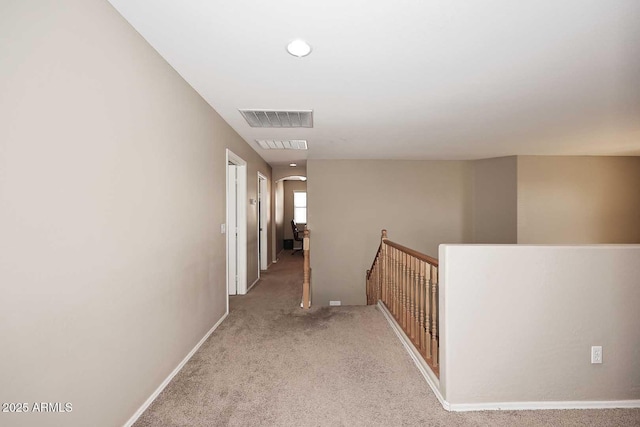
(272, 364)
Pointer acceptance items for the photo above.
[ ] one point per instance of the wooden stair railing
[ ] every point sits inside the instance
(406, 282)
(306, 280)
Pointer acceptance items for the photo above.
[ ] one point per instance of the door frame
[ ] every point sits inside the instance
(241, 214)
(263, 235)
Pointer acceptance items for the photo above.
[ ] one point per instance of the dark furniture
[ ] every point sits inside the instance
(297, 237)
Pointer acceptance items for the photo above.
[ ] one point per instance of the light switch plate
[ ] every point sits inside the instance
(596, 354)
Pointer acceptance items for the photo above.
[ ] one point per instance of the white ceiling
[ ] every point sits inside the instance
(413, 79)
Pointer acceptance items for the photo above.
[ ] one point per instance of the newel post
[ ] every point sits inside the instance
(306, 285)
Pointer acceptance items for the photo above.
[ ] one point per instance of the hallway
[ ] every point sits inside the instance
(271, 364)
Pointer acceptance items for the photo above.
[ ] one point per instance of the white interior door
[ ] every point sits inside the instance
(232, 228)
(263, 209)
(236, 228)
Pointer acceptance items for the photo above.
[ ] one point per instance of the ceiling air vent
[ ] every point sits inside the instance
(292, 144)
(278, 119)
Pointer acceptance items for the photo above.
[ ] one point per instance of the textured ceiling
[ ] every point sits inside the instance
(413, 79)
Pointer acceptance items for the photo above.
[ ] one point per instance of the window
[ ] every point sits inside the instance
(300, 207)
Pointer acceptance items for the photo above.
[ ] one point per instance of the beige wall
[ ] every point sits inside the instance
(578, 199)
(279, 215)
(282, 172)
(531, 322)
(495, 200)
(112, 192)
(421, 203)
(289, 188)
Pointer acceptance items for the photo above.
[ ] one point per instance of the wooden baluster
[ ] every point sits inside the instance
(414, 302)
(387, 282)
(399, 275)
(389, 279)
(417, 280)
(399, 272)
(427, 308)
(382, 260)
(379, 278)
(376, 277)
(374, 280)
(374, 284)
(408, 275)
(396, 283)
(407, 295)
(381, 271)
(394, 296)
(390, 276)
(383, 276)
(417, 314)
(369, 297)
(403, 278)
(421, 274)
(401, 290)
(434, 315)
(409, 298)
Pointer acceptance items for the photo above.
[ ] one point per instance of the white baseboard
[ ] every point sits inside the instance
(424, 369)
(278, 255)
(167, 380)
(433, 382)
(253, 284)
(528, 406)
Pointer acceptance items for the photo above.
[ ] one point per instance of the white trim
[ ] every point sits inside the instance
(231, 238)
(242, 223)
(263, 189)
(167, 380)
(234, 158)
(242, 229)
(527, 406)
(253, 284)
(424, 369)
(434, 383)
(278, 256)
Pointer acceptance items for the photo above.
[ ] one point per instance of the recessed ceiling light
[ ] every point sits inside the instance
(299, 48)
(293, 165)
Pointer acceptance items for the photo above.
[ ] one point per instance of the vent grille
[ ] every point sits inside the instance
(278, 119)
(273, 144)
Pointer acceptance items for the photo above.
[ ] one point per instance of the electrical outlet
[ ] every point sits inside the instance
(223, 228)
(596, 354)
(335, 302)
